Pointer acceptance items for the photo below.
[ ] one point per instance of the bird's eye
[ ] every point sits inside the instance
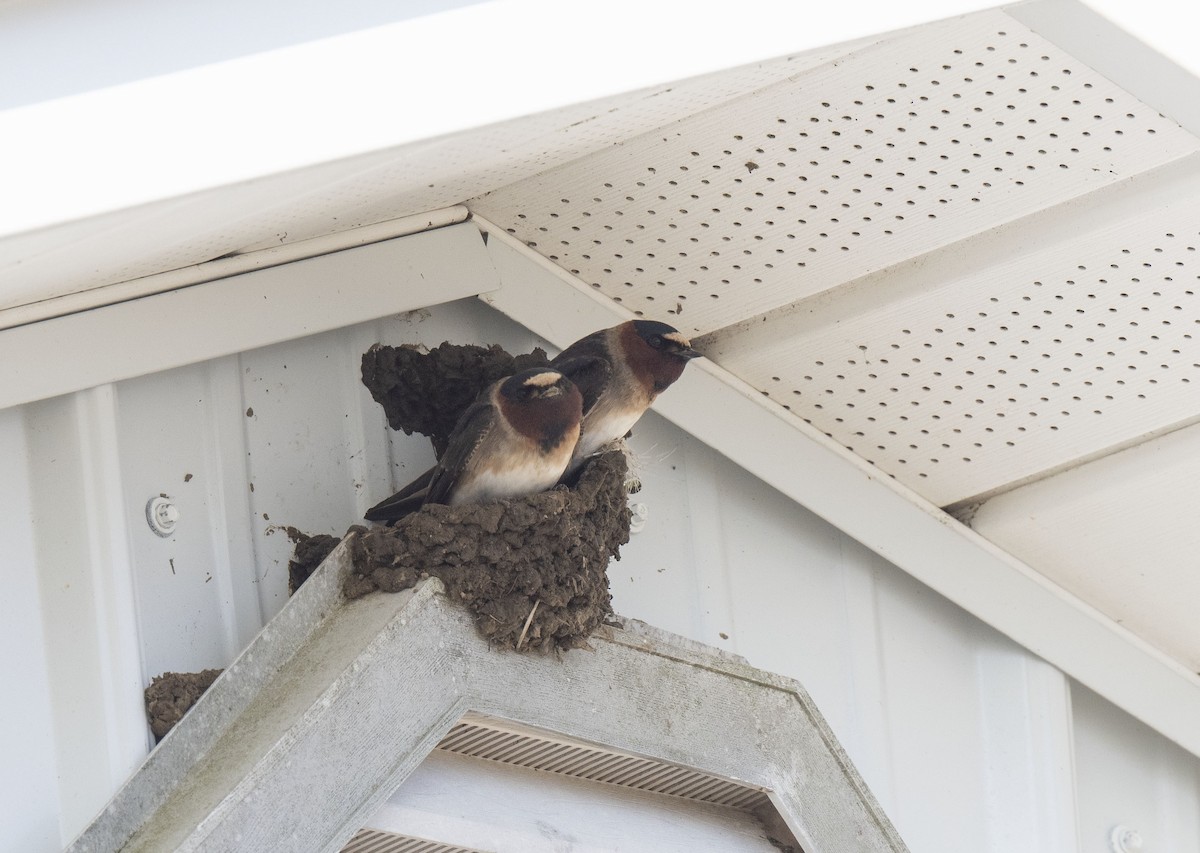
(655, 341)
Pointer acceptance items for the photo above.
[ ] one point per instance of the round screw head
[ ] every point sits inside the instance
(1125, 840)
(162, 515)
(641, 512)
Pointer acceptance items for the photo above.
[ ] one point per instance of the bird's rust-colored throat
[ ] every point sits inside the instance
(550, 421)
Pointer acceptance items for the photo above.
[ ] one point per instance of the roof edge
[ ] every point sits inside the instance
(733, 418)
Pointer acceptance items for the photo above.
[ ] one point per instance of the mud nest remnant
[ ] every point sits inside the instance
(425, 392)
(307, 555)
(171, 694)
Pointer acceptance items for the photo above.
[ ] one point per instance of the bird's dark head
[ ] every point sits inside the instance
(664, 339)
(656, 353)
(543, 404)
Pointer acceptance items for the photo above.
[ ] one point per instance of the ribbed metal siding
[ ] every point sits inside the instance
(965, 738)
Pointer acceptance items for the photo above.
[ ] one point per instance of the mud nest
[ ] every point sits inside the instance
(533, 570)
(425, 392)
(171, 694)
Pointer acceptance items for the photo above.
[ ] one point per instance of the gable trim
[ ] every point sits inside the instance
(733, 418)
(336, 702)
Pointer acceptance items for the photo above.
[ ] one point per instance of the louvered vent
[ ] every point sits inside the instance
(374, 841)
(501, 741)
(507, 743)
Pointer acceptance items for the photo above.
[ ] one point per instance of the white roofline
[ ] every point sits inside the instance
(259, 302)
(1136, 66)
(890, 519)
(412, 80)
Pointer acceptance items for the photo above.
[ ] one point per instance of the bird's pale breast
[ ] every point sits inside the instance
(520, 470)
(605, 426)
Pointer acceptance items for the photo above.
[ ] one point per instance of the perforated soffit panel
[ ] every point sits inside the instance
(798, 233)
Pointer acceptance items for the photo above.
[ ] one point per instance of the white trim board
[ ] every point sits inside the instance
(344, 699)
(227, 267)
(321, 101)
(736, 420)
(243, 312)
(1089, 36)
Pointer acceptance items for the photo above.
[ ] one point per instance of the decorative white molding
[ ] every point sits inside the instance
(242, 312)
(336, 702)
(227, 267)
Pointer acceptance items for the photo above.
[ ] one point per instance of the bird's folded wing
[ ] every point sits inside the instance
(470, 431)
(405, 501)
(590, 374)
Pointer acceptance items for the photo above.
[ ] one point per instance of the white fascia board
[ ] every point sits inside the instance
(378, 88)
(228, 267)
(1147, 48)
(899, 525)
(242, 312)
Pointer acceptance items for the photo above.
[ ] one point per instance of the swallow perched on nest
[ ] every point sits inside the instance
(620, 371)
(516, 439)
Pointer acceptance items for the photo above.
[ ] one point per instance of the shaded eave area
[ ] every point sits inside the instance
(615, 178)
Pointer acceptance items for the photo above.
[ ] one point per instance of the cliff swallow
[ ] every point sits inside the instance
(620, 371)
(515, 440)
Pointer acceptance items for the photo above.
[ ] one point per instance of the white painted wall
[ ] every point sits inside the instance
(969, 742)
(1130, 776)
